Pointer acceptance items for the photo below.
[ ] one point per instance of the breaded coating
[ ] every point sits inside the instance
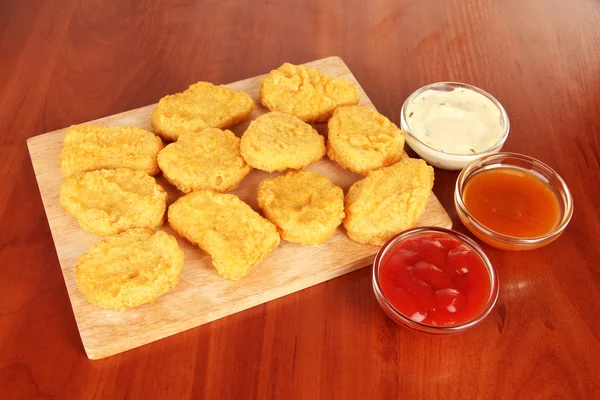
(92, 147)
(202, 105)
(129, 269)
(308, 94)
(110, 201)
(229, 230)
(362, 140)
(388, 201)
(209, 159)
(306, 207)
(277, 141)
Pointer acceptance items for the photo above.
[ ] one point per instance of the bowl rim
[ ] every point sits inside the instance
(397, 316)
(405, 126)
(563, 193)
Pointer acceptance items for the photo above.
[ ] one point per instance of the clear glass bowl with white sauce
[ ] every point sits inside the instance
(450, 124)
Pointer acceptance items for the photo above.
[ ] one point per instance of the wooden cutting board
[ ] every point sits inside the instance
(202, 295)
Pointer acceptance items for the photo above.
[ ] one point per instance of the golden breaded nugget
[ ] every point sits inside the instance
(129, 269)
(363, 140)
(92, 147)
(308, 94)
(229, 230)
(388, 201)
(306, 207)
(110, 201)
(202, 105)
(277, 141)
(209, 159)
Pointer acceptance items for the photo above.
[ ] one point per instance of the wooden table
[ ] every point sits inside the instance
(66, 62)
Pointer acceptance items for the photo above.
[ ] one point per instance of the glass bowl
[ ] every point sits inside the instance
(531, 165)
(440, 159)
(404, 320)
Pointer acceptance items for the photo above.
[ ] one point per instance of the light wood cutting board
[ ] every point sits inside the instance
(202, 295)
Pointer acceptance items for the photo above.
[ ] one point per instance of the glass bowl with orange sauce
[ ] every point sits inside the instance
(512, 201)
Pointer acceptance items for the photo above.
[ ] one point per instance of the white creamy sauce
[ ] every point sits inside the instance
(459, 121)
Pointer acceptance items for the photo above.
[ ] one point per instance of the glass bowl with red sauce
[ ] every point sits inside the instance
(512, 201)
(434, 281)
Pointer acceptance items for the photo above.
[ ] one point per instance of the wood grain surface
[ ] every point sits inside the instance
(66, 62)
(201, 295)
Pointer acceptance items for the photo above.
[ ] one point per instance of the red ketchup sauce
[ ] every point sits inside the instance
(435, 279)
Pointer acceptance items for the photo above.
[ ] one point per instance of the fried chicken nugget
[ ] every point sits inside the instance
(129, 269)
(109, 201)
(388, 201)
(202, 105)
(308, 94)
(92, 147)
(229, 230)
(209, 159)
(306, 207)
(362, 140)
(276, 141)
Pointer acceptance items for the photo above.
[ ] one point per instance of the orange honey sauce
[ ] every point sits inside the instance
(512, 202)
